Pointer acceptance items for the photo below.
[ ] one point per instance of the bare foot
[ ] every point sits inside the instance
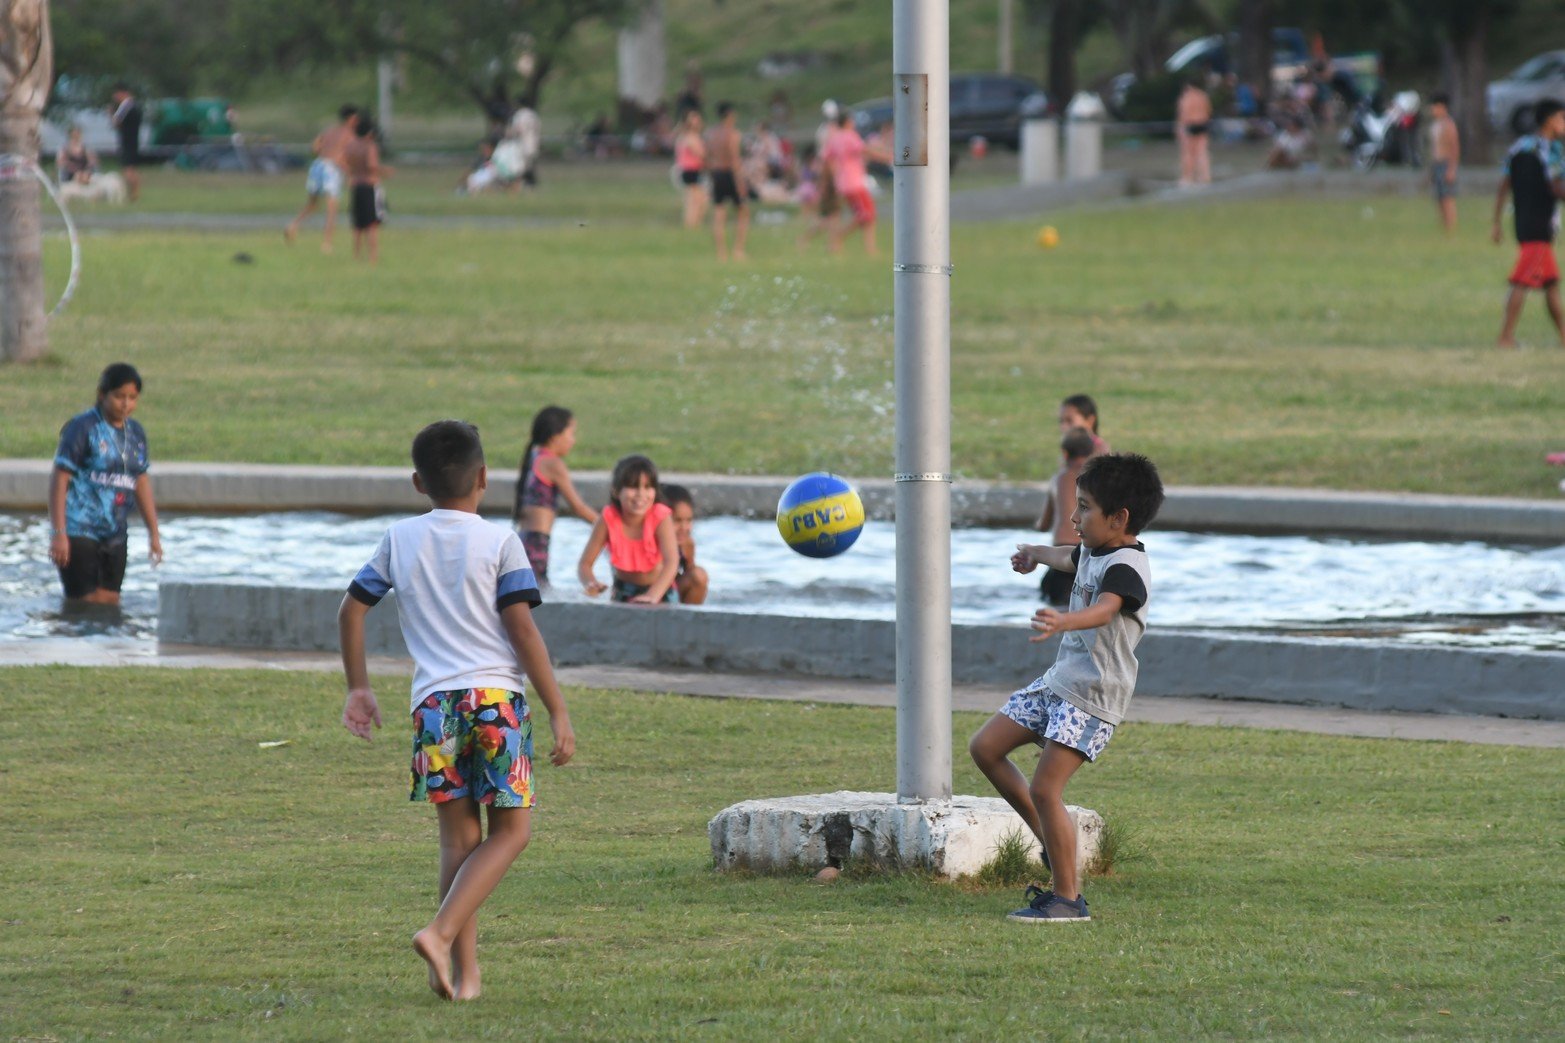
(740, 255)
(1508, 345)
(438, 957)
(468, 986)
(290, 234)
(326, 248)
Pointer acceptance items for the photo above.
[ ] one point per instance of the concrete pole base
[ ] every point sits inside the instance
(951, 839)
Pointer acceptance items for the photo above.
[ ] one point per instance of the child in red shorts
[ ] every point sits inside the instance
(1535, 177)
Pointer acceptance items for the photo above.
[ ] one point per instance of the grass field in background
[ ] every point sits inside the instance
(178, 881)
(1324, 343)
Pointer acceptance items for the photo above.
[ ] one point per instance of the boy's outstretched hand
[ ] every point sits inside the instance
(359, 711)
(1023, 561)
(564, 741)
(1046, 621)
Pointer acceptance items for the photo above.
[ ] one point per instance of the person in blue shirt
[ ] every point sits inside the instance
(100, 466)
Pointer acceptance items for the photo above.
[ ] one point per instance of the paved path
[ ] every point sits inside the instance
(1167, 710)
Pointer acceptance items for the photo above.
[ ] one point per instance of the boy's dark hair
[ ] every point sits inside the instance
(629, 470)
(674, 495)
(1124, 481)
(347, 112)
(447, 456)
(724, 108)
(1077, 443)
(1545, 111)
(1440, 98)
(365, 126)
(117, 375)
(1084, 405)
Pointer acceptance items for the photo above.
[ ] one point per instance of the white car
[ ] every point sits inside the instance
(1511, 100)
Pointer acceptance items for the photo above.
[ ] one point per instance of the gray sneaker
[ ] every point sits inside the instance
(1048, 907)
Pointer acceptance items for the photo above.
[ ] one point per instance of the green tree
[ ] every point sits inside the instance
(494, 51)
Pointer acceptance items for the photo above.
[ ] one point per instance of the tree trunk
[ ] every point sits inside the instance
(1255, 48)
(1064, 27)
(26, 71)
(1470, 69)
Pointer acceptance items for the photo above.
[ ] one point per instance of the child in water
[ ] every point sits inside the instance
(543, 479)
(639, 532)
(691, 579)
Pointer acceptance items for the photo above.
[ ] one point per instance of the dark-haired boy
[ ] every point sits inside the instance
(1072, 710)
(325, 177)
(361, 157)
(1535, 177)
(1445, 157)
(465, 597)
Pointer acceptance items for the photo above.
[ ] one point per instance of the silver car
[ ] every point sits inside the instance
(1512, 99)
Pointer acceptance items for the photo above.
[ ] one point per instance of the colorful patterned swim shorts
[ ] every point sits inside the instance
(1047, 716)
(474, 742)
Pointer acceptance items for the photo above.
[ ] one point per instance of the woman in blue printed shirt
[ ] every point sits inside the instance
(100, 466)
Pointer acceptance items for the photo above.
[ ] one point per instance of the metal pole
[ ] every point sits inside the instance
(920, 60)
(1004, 64)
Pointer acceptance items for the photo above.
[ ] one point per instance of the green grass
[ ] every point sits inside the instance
(169, 879)
(1308, 342)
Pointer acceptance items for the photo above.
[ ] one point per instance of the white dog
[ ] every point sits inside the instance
(103, 188)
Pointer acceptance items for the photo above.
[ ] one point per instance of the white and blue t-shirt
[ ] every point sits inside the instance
(104, 462)
(453, 573)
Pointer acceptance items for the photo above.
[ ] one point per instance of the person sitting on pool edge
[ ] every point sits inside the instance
(100, 465)
(691, 579)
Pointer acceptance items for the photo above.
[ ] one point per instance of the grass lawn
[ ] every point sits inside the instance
(1310, 342)
(169, 879)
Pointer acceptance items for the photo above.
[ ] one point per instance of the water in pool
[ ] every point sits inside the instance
(1449, 593)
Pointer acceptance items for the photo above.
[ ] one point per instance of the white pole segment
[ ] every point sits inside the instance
(920, 62)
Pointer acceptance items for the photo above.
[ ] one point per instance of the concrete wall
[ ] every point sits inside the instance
(257, 487)
(1373, 675)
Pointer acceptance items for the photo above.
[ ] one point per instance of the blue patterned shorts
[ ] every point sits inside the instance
(1047, 716)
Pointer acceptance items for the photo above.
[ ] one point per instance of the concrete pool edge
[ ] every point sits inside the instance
(1358, 674)
(186, 486)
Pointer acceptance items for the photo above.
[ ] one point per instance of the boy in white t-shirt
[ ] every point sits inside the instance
(1072, 710)
(464, 599)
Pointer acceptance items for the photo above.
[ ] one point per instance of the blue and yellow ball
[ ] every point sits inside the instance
(820, 515)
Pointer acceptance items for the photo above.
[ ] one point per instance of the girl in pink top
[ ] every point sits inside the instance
(690, 159)
(639, 533)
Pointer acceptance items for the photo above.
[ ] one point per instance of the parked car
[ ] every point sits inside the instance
(1358, 73)
(988, 105)
(1512, 99)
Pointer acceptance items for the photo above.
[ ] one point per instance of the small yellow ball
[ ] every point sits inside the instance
(1048, 237)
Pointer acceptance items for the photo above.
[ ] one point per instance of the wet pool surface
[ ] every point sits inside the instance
(1467, 594)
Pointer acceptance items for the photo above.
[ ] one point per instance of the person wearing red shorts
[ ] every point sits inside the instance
(845, 156)
(1535, 177)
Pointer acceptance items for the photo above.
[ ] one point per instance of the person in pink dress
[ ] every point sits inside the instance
(845, 157)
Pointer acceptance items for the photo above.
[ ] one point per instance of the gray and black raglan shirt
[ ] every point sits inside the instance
(1096, 669)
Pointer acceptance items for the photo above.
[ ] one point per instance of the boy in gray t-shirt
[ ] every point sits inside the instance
(1071, 711)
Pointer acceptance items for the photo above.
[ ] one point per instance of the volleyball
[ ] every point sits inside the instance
(1048, 237)
(820, 515)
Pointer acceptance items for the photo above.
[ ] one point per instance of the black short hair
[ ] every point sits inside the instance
(347, 112)
(1077, 443)
(365, 126)
(1124, 481)
(1440, 98)
(626, 472)
(674, 495)
(447, 456)
(117, 375)
(1545, 111)
(724, 108)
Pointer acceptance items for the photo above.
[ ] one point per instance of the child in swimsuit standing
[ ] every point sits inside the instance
(543, 479)
(639, 532)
